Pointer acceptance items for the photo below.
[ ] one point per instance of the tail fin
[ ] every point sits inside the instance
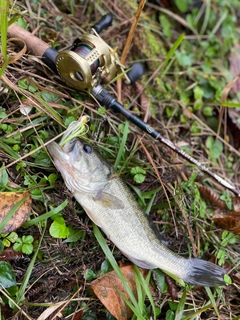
(206, 274)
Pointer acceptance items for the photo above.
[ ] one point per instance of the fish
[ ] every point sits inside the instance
(111, 205)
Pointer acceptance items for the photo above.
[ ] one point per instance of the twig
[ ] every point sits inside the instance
(132, 31)
(128, 43)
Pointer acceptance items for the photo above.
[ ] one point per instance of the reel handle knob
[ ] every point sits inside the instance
(104, 23)
(137, 70)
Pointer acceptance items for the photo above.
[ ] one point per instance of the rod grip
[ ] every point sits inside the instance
(35, 45)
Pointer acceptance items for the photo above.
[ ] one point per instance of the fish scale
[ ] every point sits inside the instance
(110, 204)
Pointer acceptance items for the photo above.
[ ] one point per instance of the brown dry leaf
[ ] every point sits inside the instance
(107, 290)
(78, 315)
(230, 221)
(236, 277)
(19, 54)
(9, 254)
(166, 3)
(51, 310)
(144, 102)
(211, 196)
(171, 287)
(236, 204)
(7, 201)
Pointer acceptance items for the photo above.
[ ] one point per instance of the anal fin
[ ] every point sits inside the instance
(140, 263)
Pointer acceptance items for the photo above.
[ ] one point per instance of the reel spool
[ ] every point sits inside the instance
(88, 62)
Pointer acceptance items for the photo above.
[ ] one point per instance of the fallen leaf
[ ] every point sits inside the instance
(236, 204)
(78, 315)
(144, 102)
(230, 221)
(7, 201)
(25, 109)
(171, 287)
(166, 3)
(9, 254)
(211, 196)
(107, 290)
(236, 277)
(51, 310)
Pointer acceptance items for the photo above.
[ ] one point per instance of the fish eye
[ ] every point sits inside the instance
(87, 148)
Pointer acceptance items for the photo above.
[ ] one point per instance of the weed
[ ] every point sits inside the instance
(4, 9)
(25, 244)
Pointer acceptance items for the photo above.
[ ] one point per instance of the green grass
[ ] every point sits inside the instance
(133, 305)
(187, 56)
(4, 9)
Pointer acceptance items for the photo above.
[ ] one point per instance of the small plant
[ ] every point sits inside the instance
(215, 148)
(58, 228)
(227, 199)
(8, 239)
(89, 275)
(7, 276)
(24, 244)
(227, 239)
(139, 174)
(198, 206)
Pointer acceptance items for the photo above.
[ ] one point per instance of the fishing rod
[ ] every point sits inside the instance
(90, 63)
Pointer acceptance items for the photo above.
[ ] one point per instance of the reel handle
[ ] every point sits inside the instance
(104, 23)
(137, 70)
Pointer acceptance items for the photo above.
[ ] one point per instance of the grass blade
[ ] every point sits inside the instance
(13, 154)
(180, 307)
(47, 215)
(145, 286)
(122, 145)
(171, 53)
(4, 66)
(22, 289)
(4, 9)
(198, 312)
(134, 306)
(212, 299)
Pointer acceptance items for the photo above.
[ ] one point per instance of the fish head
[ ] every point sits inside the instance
(82, 168)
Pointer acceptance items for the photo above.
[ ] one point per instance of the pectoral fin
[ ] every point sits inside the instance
(108, 201)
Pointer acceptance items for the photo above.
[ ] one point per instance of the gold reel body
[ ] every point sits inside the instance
(89, 61)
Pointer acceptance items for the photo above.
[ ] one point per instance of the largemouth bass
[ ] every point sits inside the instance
(110, 205)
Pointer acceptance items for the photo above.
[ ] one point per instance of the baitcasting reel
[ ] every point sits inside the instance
(90, 60)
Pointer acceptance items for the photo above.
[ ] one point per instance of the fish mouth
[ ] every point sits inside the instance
(56, 152)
